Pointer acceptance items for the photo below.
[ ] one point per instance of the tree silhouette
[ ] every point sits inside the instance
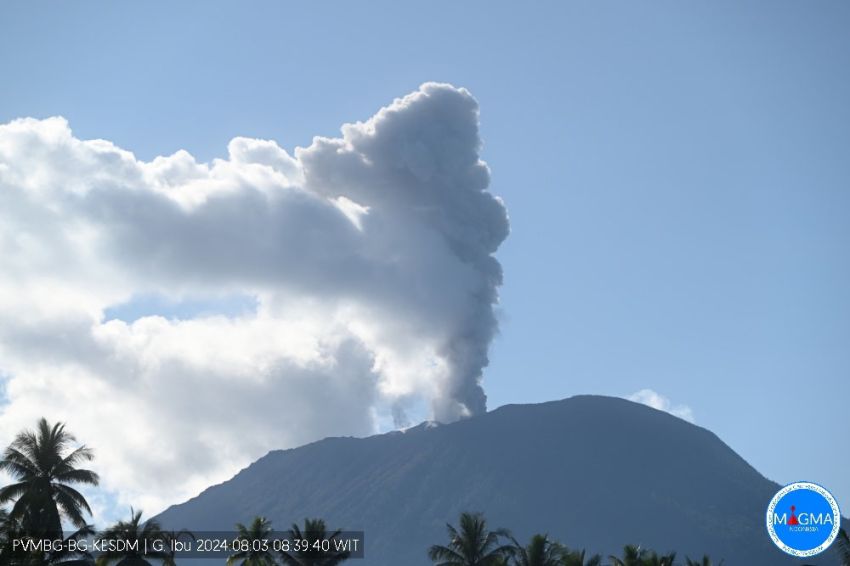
(632, 556)
(6, 536)
(170, 537)
(310, 553)
(141, 540)
(654, 559)
(69, 554)
(254, 536)
(44, 464)
(842, 547)
(540, 551)
(472, 544)
(577, 558)
(65, 556)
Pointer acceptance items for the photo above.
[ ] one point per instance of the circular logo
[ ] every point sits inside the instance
(803, 519)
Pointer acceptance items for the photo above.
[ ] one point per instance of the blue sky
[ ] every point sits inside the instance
(677, 175)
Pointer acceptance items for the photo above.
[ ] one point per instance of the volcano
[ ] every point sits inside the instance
(593, 472)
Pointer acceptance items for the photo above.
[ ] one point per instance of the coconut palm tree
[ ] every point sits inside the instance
(69, 554)
(540, 551)
(68, 557)
(842, 546)
(577, 558)
(141, 541)
(44, 464)
(309, 554)
(6, 536)
(632, 556)
(654, 559)
(472, 544)
(255, 536)
(170, 537)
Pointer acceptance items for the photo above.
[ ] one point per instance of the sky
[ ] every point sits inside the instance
(676, 178)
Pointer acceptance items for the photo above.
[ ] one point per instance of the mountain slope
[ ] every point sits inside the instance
(593, 472)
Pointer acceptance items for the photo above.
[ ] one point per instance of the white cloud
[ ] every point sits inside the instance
(655, 400)
(370, 256)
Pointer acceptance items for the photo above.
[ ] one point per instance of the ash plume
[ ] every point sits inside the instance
(367, 259)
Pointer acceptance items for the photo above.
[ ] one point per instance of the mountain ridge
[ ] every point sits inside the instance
(595, 472)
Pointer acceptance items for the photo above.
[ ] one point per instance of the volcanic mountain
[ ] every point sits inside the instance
(593, 472)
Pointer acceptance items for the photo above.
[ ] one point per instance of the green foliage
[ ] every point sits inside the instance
(259, 530)
(9, 555)
(577, 558)
(314, 530)
(44, 464)
(5, 535)
(139, 536)
(472, 544)
(654, 559)
(632, 556)
(174, 536)
(65, 557)
(637, 556)
(540, 551)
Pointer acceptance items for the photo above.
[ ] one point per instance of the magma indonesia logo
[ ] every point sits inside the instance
(803, 519)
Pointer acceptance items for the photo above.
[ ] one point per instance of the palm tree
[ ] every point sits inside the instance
(472, 544)
(632, 556)
(540, 551)
(6, 535)
(141, 542)
(653, 559)
(576, 558)
(44, 464)
(706, 561)
(842, 546)
(171, 537)
(67, 557)
(310, 554)
(254, 535)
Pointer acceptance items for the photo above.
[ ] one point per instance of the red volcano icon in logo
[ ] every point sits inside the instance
(793, 520)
